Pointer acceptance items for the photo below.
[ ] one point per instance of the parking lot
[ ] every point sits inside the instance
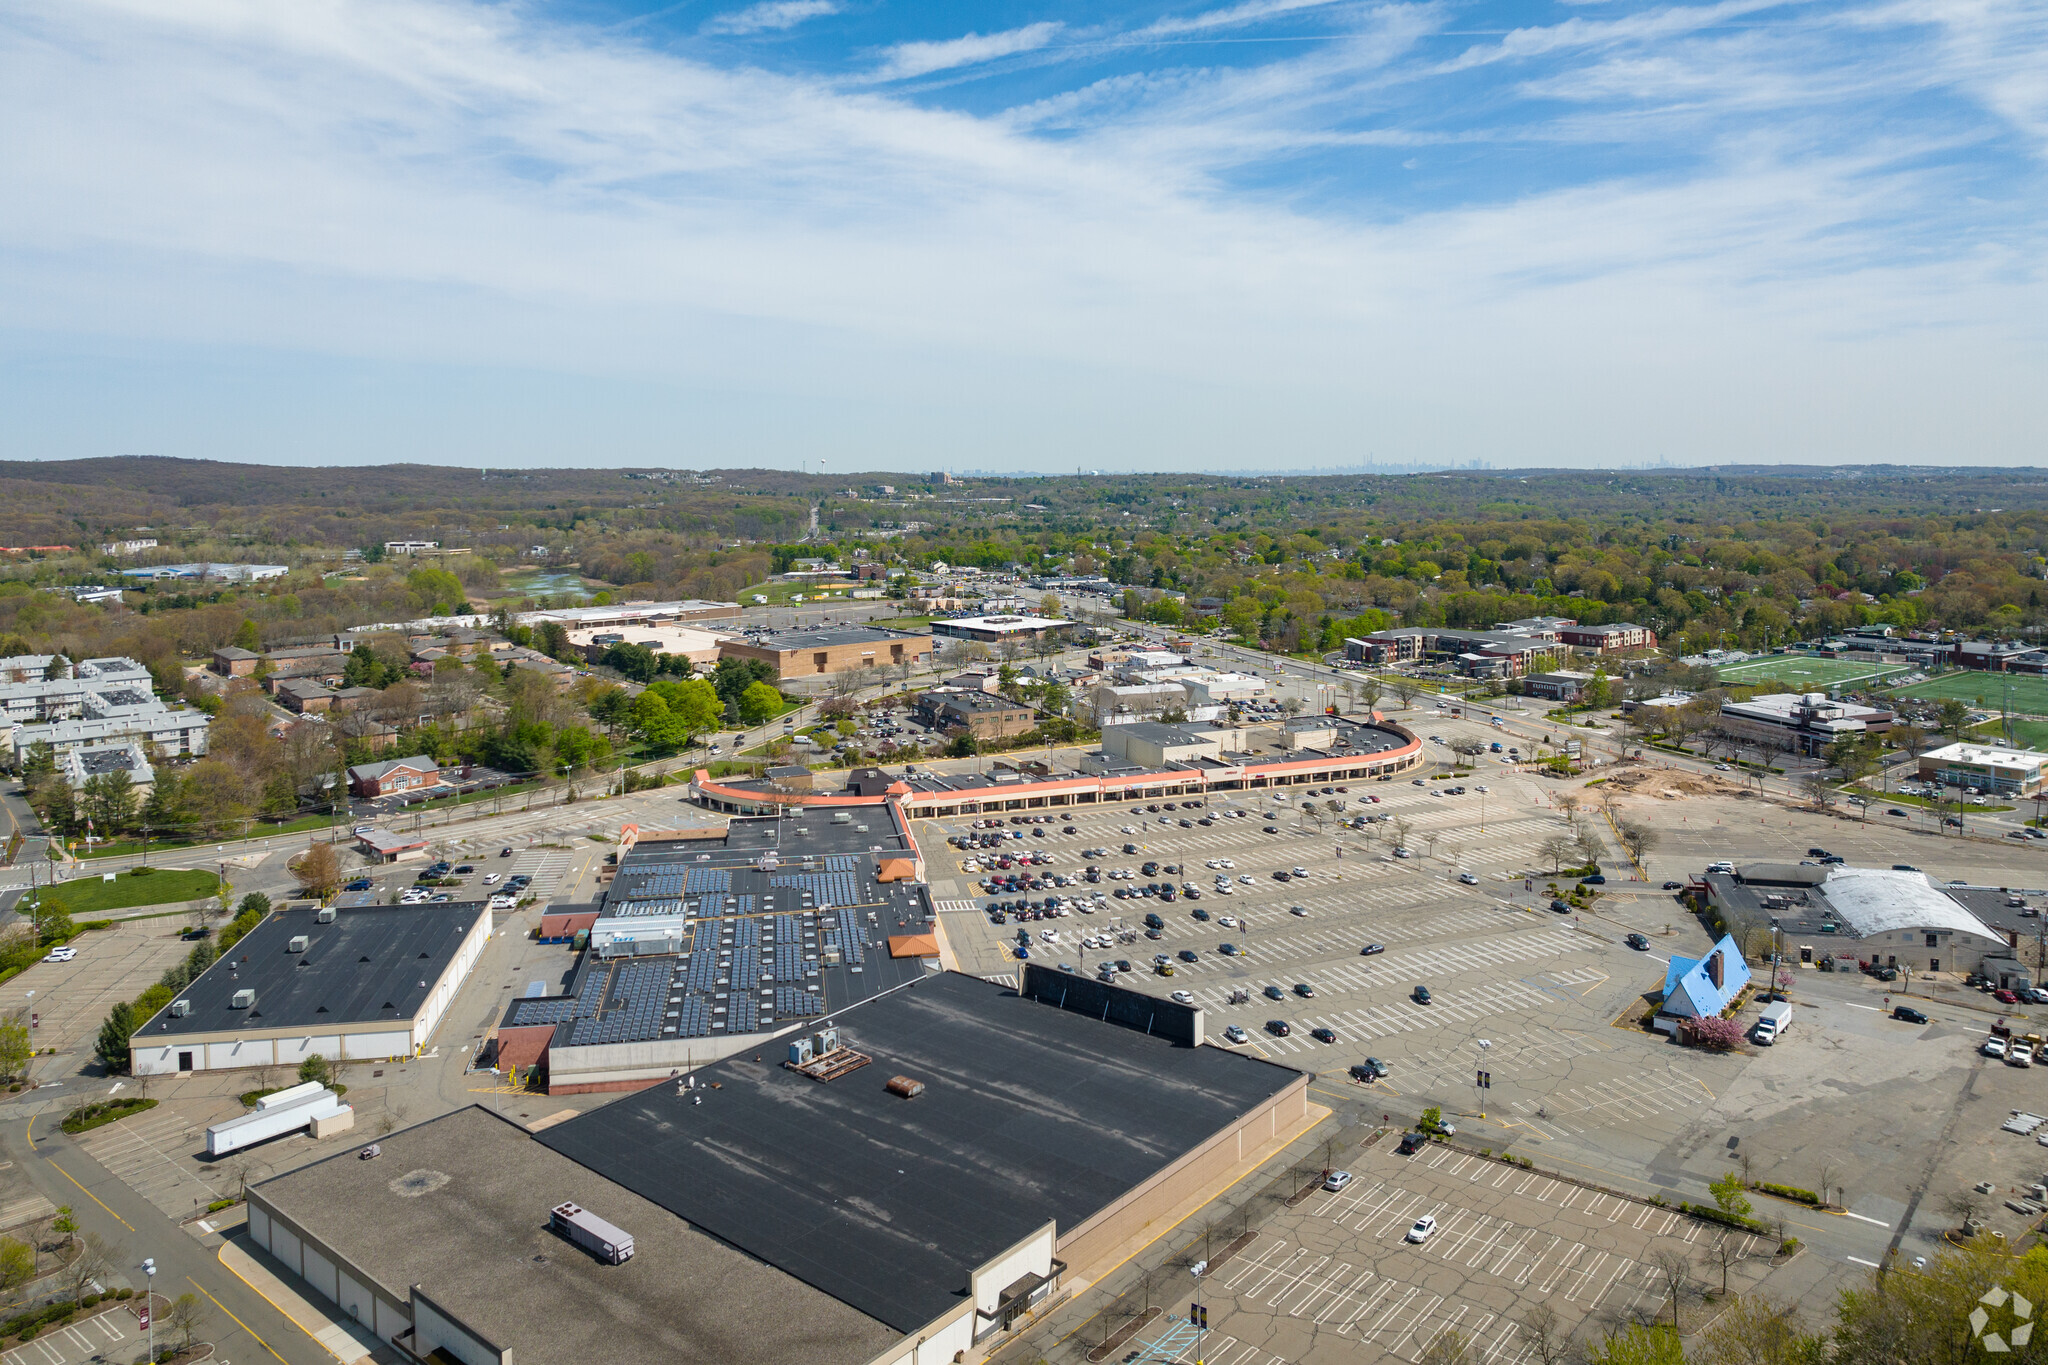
(71, 998)
(1339, 1274)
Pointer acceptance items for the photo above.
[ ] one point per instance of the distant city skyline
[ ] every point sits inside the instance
(1242, 235)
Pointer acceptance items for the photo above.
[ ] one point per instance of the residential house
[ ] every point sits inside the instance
(394, 776)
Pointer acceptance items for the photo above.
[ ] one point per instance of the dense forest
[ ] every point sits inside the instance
(1728, 556)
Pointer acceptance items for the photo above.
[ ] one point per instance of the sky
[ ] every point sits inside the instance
(868, 234)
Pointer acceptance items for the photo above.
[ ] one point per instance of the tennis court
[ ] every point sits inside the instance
(2029, 693)
(1799, 673)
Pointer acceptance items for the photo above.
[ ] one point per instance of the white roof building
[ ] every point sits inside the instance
(1879, 905)
(1988, 767)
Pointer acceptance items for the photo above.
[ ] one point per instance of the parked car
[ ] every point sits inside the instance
(1279, 1028)
(1181, 998)
(1234, 1034)
(1275, 993)
(1638, 942)
(1908, 1015)
(2004, 997)
(1424, 1228)
(1994, 1046)
(1336, 1181)
(1372, 950)
(1421, 995)
(63, 954)
(1411, 1143)
(1371, 1069)
(1323, 1035)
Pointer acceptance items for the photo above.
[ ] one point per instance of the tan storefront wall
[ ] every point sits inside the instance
(1152, 1203)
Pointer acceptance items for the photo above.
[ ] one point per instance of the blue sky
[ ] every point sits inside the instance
(1268, 233)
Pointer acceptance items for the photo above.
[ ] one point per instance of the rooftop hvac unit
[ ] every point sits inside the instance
(840, 817)
(904, 1086)
(242, 999)
(326, 915)
(609, 1244)
(825, 1040)
(800, 1052)
(181, 1009)
(298, 943)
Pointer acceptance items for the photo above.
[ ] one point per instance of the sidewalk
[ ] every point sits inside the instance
(346, 1341)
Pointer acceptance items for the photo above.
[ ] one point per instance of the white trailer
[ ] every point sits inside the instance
(287, 1111)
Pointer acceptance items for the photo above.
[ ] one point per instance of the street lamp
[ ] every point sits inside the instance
(1201, 1314)
(149, 1301)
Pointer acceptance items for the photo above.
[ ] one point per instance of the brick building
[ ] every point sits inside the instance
(981, 714)
(829, 649)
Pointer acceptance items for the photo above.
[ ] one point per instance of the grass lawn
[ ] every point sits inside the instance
(2029, 694)
(90, 895)
(1800, 673)
(127, 846)
(2031, 734)
(472, 798)
(1946, 806)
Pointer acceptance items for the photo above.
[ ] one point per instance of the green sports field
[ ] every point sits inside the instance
(2029, 693)
(1798, 673)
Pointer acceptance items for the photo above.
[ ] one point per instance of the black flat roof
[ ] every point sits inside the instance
(372, 964)
(826, 637)
(1029, 1114)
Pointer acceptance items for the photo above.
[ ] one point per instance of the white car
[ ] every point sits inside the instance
(1213, 862)
(490, 878)
(1245, 879)
(1424, 1227)
(1994, 1046)
(1226, 921)
(1225, 889)
(1468, 879)
(1049, 935)
(501, 901)
(1181, 998)
(1234, 1034)
(1402, 853)
(60, 955)
(1226, 862)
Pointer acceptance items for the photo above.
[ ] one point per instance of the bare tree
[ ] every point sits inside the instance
(1548, 1334)
(1725, 1253)
(1555, 848)
(1830, 1172)
(185, 1316)
(94, 1262)
(1569, 803)
(1400, 827)
(1674, 1270)
(1963, 1206)
(1638, 840)
(1431, 840)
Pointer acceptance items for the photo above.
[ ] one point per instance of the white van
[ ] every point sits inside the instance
(1775, 1020)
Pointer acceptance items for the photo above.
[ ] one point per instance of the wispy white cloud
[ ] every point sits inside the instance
(439, 182)
(770, 15)
(919, 59)
(1231, 16)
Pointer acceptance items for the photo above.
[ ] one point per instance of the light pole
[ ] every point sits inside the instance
(1201, 1314)
(149, 1301)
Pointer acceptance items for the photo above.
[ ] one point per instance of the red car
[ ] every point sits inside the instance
(2005, 997)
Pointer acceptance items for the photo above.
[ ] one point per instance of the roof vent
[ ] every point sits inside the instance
(298, 944)
(904, 1086)
(242, 999)
(326, 915)
(181, 1009)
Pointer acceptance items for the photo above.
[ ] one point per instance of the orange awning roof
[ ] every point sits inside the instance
(896, 870)
(914, 945)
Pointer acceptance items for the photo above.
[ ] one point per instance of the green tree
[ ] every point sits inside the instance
(964, 745)
(110, 801)
(436, 591)
(1432, 1119)
(40, 762)
(657, 725)
(1953, 717)
(759, 703)
(17, 1264)
(694, 702)
(637, 662)
(316, 1070)
(111, 1046)
(1638, 1344)
(15, 1048)
(1727, 1192)
(247, 636)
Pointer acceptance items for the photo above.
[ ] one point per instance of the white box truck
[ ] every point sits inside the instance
(1772, 1024)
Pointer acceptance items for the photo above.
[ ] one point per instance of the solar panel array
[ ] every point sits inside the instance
(741, 1015)
(627, 1004)
(840, 887)
(712, 880)
(693, 1017)
(789, 960)
(794, 1002)
(654, 885)
(642, 908)
(850, 941)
